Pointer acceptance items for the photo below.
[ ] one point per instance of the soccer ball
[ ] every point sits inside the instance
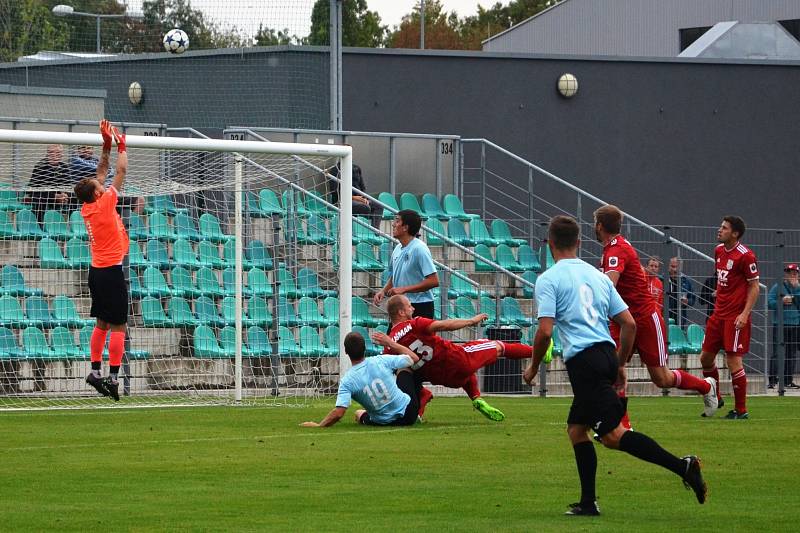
(176, 41)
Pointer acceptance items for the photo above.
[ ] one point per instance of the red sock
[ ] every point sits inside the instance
(96, 344)
(515, 350)
(471, 387)
(626, 421)
(714, 373)
(116, 346)
(425, 396)
(687, 381)
(739, 379)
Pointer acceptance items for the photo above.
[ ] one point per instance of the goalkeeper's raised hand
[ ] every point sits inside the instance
(105, 131)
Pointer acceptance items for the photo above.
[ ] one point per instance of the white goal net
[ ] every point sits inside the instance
(233, 292)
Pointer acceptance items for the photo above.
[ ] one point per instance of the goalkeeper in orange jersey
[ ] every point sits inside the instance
(108, 242)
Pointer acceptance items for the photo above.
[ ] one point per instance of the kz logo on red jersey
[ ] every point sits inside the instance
(722, 277)
(730, 264)
(613, 262)
(753, 268)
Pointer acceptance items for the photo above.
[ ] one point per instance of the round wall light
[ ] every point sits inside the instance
(567, 85)
(135, 93)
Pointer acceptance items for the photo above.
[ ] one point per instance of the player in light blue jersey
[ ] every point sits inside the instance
(579, 299)
(387, 400)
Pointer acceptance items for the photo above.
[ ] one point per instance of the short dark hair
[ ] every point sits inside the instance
(737, 224)
(410, 218)
(84, 190)
(394, 304)
(610, 217)
(354, 345)
(564, 232)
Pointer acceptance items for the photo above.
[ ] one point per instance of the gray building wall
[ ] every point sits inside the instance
(47, 103)
(276, 87)
(643, 28)
(679, 142)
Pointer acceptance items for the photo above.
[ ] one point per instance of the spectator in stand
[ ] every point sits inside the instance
(654, 284)
(791, 325)
(361, 205)
(49, 173)
(83, 164)
(687, 296)
(708, 295)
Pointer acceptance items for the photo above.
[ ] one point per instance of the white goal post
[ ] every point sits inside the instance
(241, 153)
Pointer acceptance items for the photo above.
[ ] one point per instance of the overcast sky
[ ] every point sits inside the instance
(296, 14)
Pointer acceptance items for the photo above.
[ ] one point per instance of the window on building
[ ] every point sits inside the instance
(792, 26)
(690, 35)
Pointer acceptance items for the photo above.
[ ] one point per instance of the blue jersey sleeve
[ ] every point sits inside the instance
(425, 261)
(615, 303)
(389, 267)
(343, 397)
(545, 298)
(395, 362)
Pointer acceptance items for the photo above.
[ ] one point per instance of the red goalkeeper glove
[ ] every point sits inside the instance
(120, 139)
(105, 131)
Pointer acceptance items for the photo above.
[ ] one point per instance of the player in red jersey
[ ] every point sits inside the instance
(654, 282)
(443, 362)
(108, 243)
(621, 264)
(728, 328)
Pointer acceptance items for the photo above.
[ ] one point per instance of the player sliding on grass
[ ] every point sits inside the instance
(108, 243)
(387, 401)
(443, 362)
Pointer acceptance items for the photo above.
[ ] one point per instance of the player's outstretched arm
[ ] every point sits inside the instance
(396, 348)
(627, 335)
(454, 324)
(333, 417)
(122, 159)
(103, 164)
(541, 343)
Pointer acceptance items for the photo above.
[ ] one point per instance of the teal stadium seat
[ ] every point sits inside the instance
(258, 255)
(258, 312)
(286, 287)
(390, 202)
(211, 229)
(258, 342)
(258, 283)
(186, 228)
(360, 313)
(330, 310)
(530, 276)
(155, 284)
(315, 206)
(456, 232)
(316, 231)
(512, 313)
(12, 282)
(183, 253)
(9, 349)
(432, 207)
(157, 255)
(35, 345)
(9, 200)
(308, 285)
(162, 204)
(462, 307)
(480, 233)
(64, 346)
(488, 305)
(372, 349)
(182, 283)
(208, 255)
(677, 343)
(78, 255)
(207, 313)
(287, 316)
(287, 344)
(135, 257)
(27, 225)
(160, 228)
(502, 233)
(293, 204)
(454, 209)
(460, 287)
(206, 345)
(37, 312)
(505, 258)
(208, 283)
(136, 289)
(180, 313)
(364, 259)
(77, 227)
(229, 255)
(308, 313)
(153, 315)
(7, 229)
(436, 225)
(694, 338)
(409, 201)
(55, 226)
(529, 258)
(269, 204)
(50, 255)
(137, 230)
(66, 314)
(330, 339)
(482, 251)
(310, 343)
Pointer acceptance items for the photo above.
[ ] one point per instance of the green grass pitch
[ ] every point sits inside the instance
(254, 469)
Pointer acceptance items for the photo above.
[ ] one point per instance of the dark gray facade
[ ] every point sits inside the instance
(671, 141)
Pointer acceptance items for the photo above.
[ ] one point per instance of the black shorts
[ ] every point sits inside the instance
(405, 382)
(592, 374)
(109, 292)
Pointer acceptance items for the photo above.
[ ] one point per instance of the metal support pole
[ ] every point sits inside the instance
(335, 38)
(531, 219)
(392, 166)
(579, 218)
(483, 181)
(664, 283)
(98, 34)
(422, 24)
(438, 163)
(238, 165)
(780, 343)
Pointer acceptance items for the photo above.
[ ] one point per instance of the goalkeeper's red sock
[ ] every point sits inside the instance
(739, 380)
(96, 344)
(626, 421)
(425, 396)
(515, 350)
(116, 347)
